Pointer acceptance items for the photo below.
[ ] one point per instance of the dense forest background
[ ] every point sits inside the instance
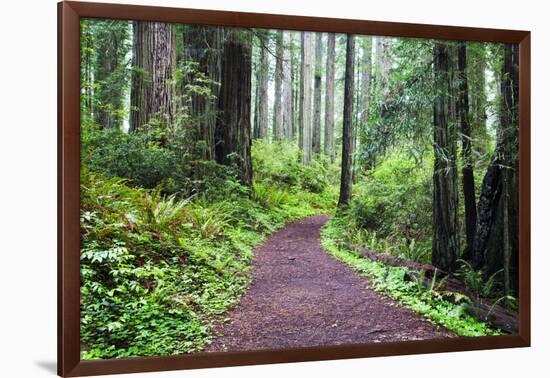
(198, 141)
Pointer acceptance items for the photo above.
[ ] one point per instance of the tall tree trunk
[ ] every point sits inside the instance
(383, 65)
(496, 243)
(301, 93)
(202, 45)
(263, 82)
(307, 98)
(510, 175)
(487, 210)
(233, 142)
(366, 75)
(316, 137)
(445, 242)
(356, 115)
(153, 88)
(277, 105)
(287, 116)
(296, 84)
(329, 98)
(468, 184)
(347, 132)
(256, 124)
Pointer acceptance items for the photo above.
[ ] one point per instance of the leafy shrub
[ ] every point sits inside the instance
(391, 211)
(395, 198)
(144, 161)
(138, 157)
(133, 270)
(280, 164)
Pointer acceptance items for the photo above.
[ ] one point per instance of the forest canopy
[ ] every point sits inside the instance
(198, 141)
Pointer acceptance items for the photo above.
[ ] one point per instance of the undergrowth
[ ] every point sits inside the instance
(393, 282)
(158, 271)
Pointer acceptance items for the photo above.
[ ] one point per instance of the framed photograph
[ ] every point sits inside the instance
(240, 188)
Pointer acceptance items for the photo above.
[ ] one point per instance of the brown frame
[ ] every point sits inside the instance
(69, 14)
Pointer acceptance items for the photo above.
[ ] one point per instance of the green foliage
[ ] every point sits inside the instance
(158, 270)
(393, 282)
(279, 163)
(138, 157)
(160, 155)
(167, 235)
(395, 244)
(474, 279)
(146, 161)
(390, 211)
(105, 71)
(400, 111)
(395, 198)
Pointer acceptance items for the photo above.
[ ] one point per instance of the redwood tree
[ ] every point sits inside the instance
(496, 240)
(305, 110)
(153, 88)
(347, 132)
(329, 97)
(287, 106)
(232, 135)
(316, 132)
(263, 85)
(277, 106)
(468, 183)
(445, 241)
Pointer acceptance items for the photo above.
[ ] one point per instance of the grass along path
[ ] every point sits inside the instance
(301, 296)
(391, 282)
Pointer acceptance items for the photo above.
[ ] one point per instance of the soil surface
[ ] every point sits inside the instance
(301, 296)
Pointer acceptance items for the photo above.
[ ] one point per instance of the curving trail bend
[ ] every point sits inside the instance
(303, 297)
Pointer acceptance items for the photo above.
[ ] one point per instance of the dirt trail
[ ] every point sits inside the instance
(303, 297)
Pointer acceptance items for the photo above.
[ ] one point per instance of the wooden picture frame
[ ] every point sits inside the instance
(69, 15)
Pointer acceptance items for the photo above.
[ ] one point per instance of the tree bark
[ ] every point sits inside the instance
(496, 242)
(301, 94)
(383, 65)
(263, 100)
(277, 105)
(316, 137)
(233, 142)
(357, 115)
(445, 242)
(329, 98)
(256, 120)
(487, 210)
(295, 71)
(153, 88)
(306, 102)
(366, 75)
(468, 183)
(347, 132)
(510, 186)
(287, 116)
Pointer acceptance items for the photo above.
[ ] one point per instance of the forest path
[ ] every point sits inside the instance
(303, 297)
